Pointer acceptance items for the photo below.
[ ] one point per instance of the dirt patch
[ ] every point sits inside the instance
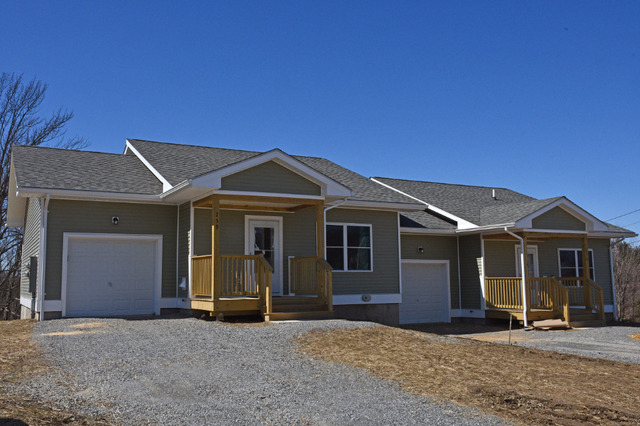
(20, 358)
(523, 385)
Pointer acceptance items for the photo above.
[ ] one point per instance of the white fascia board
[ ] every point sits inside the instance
(380, 205)
(592, 223)
(88, 195)
(16, 206)
(462, 223)
(477, 229)
(426, 231)
(165, 183)
(329, 186)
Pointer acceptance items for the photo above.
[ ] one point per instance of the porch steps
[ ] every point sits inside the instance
(299, 308)
(584, 318)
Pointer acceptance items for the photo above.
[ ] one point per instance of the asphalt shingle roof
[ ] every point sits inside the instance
(178, 163)
(52, 168)
(424, 220)
(463, 201)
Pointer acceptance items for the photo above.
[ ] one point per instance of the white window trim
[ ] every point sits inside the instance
(345, 246)
(576, 250)
(536, 261)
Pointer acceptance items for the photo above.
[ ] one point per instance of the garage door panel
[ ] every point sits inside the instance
(110, 276)
(425, 290)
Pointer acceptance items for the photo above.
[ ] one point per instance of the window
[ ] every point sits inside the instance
(571, 263)
(349, 247)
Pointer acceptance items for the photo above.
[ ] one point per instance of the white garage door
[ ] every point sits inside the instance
(110, 276)
(425, 293)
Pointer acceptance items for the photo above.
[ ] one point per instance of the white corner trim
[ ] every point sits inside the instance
(467, 313)
(591, 222)
(157, 290)
(25, 301)
(329, 186)
(356, 299)
(165, 183)
(609, 309)
(462, 224)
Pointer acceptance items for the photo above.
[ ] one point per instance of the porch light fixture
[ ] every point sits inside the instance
(420, 249)
(115, 220)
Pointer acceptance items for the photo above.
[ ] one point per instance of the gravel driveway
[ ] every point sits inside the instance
(188, 371)
(611, 342)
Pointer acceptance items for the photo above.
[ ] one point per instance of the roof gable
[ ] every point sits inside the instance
(329, 187)
(270, 177)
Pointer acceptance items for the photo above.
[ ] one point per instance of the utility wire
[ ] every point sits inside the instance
(622, 215)
(631, 224)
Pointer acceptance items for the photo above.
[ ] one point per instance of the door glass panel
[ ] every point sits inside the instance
(531, 267)
(264, 243)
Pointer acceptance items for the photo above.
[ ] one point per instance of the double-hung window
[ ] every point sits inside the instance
(571, 263)
(349, 247)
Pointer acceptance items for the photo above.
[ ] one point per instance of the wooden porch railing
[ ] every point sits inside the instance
(542, 293)
(240, 275)
(553, 293)
(201, 270)
(311, 276)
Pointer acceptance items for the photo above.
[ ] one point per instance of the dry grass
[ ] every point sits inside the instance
(635, 336)
(522, 385)
(20, 359)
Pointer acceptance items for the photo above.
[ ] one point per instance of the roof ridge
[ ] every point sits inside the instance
(449, 184)
(198, 146)
(66, 150)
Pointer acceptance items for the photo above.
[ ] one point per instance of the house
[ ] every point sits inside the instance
(227, 232)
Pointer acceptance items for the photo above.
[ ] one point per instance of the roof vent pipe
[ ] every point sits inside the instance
(493, 194)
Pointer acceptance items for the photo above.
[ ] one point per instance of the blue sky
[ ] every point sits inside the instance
(540, 97)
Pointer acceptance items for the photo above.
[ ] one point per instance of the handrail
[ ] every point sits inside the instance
(596, 298)
(201, 281)
(503, 292)
(265, 275)
(560, 298)
(311, 275)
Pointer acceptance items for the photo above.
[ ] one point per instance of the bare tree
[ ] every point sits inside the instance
(22, 124)
(626, 264)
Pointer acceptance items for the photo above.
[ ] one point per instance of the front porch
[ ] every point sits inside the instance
(262, 280)
(579, 301)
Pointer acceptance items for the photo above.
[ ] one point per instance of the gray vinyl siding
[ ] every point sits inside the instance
(270, 177)
(435, 248)
(95, 217)
(470, 271)
(557, 218)
(385, 275)
(299, 234)
(31, 241)
(500, 260)
(184, 224)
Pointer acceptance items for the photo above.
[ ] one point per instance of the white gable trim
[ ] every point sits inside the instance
(462, 224)
(591, 222)
(328, 186)
(165, 183)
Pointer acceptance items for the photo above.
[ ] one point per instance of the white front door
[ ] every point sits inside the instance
(532, 261)
(264, 236)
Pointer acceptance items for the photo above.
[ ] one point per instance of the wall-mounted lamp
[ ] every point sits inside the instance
(420, 249)
(115, 220)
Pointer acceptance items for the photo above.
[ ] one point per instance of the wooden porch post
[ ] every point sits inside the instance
(320, 231)
(586, 273)
(216, 273)
(525, 272)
